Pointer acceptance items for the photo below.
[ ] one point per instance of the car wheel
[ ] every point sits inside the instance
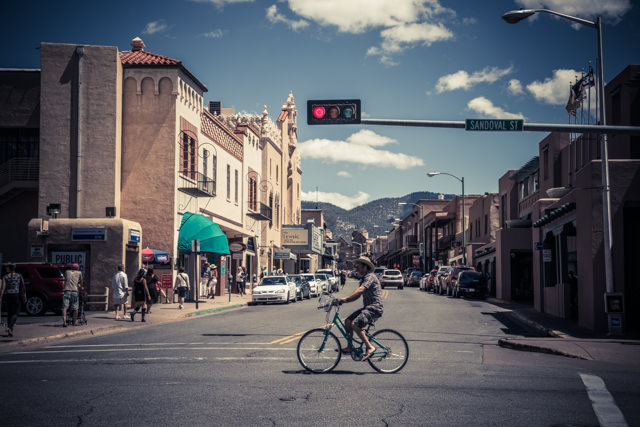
(35, 305)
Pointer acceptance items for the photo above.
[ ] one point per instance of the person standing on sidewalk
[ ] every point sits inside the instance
(15, 294)
(180, 286)
(204, 279)
(120, 285)
(213, 282)
(73, 284)
(240, 281)
(152, 286)
(140, 294)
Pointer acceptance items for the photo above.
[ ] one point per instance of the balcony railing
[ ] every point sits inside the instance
(264, 214)
(19, 169)
(411, 241)
(196, 184)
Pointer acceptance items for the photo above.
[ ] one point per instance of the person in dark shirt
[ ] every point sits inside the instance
(371, 293)
(14, 292)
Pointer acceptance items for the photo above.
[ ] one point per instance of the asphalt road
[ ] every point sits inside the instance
(240, 368)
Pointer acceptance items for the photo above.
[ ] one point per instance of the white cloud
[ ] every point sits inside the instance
(345, 202)
(155, 27)
(344, 174)
(402, 23)
(215, 34)
(359, 148)
(463, 80)
(554, 90)
(588, 9)
(515, 87)
(485, 107)
(274, 17)
(221, 3)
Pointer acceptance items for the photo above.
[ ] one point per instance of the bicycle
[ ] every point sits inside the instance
(319, 349)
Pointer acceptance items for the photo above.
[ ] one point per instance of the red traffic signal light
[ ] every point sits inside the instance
(333, 112)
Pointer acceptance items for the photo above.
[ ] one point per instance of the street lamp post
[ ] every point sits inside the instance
(516, 16)
(424, 243)
(464, 241)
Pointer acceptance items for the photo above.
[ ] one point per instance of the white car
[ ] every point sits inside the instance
(392, 277)
(323, 282)
(313, 284)
(331, 278)
(274, 289)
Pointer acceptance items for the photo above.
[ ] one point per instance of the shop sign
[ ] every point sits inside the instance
(237, 247)
(166, 281)
(546, 255)
(295, 236)
(134, 235)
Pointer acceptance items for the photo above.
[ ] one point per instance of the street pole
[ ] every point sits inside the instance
(464, 245)
(424, 243)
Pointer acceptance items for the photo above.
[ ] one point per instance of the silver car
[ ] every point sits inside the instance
(392, 278)
(313, 284)
(274, 289)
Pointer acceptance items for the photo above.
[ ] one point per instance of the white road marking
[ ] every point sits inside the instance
(98, 350)
(608, 413)
(141, 359)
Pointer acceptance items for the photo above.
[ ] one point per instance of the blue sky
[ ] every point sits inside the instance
(405, 59)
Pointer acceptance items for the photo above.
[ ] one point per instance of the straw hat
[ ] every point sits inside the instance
(366, 261)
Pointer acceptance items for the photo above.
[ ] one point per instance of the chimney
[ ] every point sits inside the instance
(137, 44)
(215, 107)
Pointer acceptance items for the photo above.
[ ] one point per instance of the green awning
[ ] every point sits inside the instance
(199, 227)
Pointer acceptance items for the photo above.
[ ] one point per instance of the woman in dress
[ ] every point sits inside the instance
(14, 293)
(152, 286)
(140, 294)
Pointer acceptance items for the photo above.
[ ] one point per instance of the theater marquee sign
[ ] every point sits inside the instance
(295, 237)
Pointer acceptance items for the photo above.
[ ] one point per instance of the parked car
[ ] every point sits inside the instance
(331, 278)
(414, 278)
(274, 289)
(407, 274)
(470, 283)
(441, 279)
(453, 277)
(313, 284)
(323, 282)
(427, 281)
(303, 290)
(44, 284)
(392, 278)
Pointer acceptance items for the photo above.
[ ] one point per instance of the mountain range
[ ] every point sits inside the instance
(375, 216)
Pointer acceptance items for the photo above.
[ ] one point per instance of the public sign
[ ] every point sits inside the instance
(237, 247)
(494, 125)
(89, 233)
(134, 235)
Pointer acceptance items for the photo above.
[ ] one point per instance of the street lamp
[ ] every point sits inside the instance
(424, 243)
(516, 16)
(464, 241)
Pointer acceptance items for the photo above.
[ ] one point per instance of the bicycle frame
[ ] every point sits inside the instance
(354, 343)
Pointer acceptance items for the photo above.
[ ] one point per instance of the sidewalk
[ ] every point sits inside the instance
(565, 338)
(42, 329)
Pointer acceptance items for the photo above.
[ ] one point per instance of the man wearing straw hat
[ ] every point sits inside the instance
(371, 293)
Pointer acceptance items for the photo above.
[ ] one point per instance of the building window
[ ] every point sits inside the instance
(277, 174)
(486, 224)
(214, 171)
(205, 160)
(189, 165)
(253, 194)
(236, 186)
(228, 182)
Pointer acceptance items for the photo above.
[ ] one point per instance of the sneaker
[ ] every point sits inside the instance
(132, 316)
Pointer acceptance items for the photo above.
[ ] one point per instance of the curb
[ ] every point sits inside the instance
(507, 343)
(211, 310)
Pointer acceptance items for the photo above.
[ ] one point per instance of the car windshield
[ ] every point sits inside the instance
(296, 279)
(50, 272)
(307, 277)
(392, 273)
(327, 273)
(416, 273)
(321, 276)
(266, 281)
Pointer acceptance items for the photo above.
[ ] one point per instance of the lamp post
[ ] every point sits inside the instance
(464, 241)
(424, 243)
(516, 16)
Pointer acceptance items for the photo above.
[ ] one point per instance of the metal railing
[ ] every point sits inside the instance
(196, 184)
(19, 169)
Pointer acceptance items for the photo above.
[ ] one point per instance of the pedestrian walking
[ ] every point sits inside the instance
(152, 286)
(140, 294)
(73, 285)
(120, 286)
(204, 279)
(240, 281)
(213, 282)
(181, 285)
(14, 293)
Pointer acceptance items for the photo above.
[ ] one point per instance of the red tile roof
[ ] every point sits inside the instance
(142, 57)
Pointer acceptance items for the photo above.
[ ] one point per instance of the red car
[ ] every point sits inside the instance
(44, 284)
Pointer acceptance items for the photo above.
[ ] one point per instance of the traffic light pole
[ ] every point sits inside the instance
(531, 127)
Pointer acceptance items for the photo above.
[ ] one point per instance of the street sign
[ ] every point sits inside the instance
(539, 246)
(493, 125)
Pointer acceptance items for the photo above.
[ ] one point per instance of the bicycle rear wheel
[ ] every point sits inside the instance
(392, 351)
(319, 350)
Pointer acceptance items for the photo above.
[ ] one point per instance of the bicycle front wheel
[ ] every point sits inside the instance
(319, 350)
(392, 351)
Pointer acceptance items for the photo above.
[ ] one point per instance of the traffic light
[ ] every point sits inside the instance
(333, 112)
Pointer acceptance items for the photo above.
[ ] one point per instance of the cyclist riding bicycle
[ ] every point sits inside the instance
(371, 293)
